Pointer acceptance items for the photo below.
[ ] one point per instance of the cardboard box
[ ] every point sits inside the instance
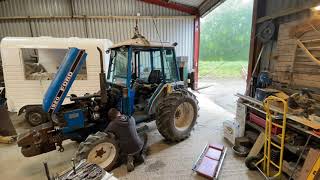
(241, 114)
(230, 130)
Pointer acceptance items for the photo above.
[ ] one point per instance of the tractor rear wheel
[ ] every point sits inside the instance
(176, 115)
(101, 149)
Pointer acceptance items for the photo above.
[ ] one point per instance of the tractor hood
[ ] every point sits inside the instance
(63, 80)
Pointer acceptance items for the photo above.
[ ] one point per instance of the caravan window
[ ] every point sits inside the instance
(42, 64)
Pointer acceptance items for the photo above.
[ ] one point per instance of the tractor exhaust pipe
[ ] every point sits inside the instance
(103, 81)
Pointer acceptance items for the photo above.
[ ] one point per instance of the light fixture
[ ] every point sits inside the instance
(317, 8)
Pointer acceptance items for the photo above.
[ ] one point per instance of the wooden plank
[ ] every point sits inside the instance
(304, 55)
(283, 68)
(284, 63)
(257, 146)
(298, 119)
(307, 77)
(304, 59)
(307, 70)
(285, 58)
(286, 42)
(306, 83)
(281, 77)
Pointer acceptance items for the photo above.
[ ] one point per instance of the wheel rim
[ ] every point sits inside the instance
(35, 118)
(183, 116)
(103, 154)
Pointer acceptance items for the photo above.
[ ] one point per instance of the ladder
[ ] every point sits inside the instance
(268, 143)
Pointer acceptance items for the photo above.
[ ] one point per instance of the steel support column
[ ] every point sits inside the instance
(196, 50)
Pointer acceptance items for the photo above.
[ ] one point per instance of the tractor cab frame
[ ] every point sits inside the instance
(143, 71)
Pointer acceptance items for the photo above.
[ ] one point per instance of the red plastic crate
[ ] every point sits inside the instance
(262, 123)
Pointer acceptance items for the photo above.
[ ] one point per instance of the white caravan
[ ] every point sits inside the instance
(30, 63)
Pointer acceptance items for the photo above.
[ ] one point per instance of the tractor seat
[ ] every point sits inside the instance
(154, 77)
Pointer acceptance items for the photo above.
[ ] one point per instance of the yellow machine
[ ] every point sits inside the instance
(266, 161)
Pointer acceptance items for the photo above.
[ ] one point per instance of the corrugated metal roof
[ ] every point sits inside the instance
(170, 30)
(59, 27)
(83, 7)
(208, 6)
(96, 7)
(178, 30)
(193, 3)
(121, 8)
(14, 28)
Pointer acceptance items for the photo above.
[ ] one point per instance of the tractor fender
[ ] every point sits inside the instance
(23, 108)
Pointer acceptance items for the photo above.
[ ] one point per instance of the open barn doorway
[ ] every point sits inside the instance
(224, 52)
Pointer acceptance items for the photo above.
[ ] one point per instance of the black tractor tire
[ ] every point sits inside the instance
(94, 141)
(36, 116)
(166, 114)
(251, 161)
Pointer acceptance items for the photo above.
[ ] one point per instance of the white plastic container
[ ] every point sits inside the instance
(231, 130)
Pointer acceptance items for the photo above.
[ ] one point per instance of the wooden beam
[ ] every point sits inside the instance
(175, 6)
(288, 11)
(253, 47)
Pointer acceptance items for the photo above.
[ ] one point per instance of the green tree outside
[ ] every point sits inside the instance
(225, 38)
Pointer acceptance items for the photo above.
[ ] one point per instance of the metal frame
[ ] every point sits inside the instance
(196, 51)
(266, 160)
(200, 157)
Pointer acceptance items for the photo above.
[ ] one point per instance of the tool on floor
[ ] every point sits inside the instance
(83, 170)
(210, 161)
(266, 161)
(45, 164)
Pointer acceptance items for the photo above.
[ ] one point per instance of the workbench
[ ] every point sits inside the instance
(293, 121)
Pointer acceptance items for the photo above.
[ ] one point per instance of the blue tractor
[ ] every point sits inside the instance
(143, 81)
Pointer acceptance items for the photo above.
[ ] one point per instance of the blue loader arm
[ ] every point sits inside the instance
(63, 80)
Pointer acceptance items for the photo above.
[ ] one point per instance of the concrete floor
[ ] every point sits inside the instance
(166, 161)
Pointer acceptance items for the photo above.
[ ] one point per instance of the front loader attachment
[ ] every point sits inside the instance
(63, 80)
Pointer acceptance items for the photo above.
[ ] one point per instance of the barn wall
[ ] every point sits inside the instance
(120, 27)
(287, 63)
(292, 66)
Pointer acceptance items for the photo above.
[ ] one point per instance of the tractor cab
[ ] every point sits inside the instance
(142, 71)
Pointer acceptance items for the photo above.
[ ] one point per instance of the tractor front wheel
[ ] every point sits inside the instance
(101, 149)
(35, 116)
(176, 115)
